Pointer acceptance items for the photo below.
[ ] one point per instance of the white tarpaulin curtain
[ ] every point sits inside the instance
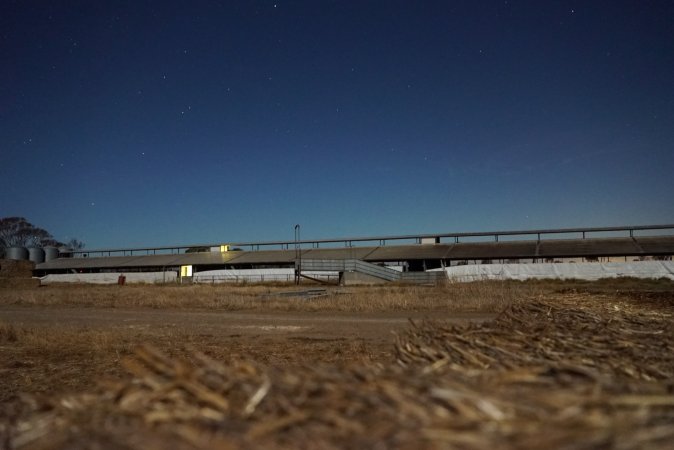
(562, 271)
(111, 278)
(580, 271)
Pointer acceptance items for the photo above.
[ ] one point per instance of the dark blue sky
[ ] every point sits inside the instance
(149, 123)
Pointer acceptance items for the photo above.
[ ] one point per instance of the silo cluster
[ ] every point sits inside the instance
(35, 254)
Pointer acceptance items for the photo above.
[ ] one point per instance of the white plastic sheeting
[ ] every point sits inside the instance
(562, 271)
(111, 278)
(257, 275)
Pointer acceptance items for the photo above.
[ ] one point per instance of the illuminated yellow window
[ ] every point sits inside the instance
(224, 248)
(185, 271)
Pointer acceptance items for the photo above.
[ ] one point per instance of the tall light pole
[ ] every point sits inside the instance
(298, 255)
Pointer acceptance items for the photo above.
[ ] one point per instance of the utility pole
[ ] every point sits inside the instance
(298, 255)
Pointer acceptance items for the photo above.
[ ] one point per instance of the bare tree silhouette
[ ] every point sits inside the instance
(18, 232)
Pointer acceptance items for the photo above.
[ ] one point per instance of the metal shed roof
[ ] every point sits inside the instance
(405, 252)
(487, 250)
(493, 250)
(107, 262)
(656, 245)
(339, 253)
(588, 247)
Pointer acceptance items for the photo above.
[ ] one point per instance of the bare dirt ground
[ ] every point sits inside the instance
(507, 365)
(272, 337)
(73, 336)
(326, 325)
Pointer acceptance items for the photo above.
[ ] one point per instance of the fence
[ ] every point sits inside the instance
(245, 279)
(384, 273)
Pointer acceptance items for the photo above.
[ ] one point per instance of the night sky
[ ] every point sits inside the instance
(156, 123)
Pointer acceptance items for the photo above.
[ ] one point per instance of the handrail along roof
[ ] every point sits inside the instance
(382, 239)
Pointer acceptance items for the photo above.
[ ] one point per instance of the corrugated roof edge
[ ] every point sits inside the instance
(602, 246)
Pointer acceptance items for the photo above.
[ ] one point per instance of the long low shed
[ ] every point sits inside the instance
(549, 248)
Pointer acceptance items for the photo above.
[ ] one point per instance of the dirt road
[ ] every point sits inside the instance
(326, 325)
(52, 349)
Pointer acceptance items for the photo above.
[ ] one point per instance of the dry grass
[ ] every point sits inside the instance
(61, 340)
(477, 296)
(53, 359)
(60, 359)
(483, 296)
(571, 371)
(566, 365)
(604, 286)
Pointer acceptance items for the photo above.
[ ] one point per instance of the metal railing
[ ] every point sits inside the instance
(384, 273)
(350, 265)
(251, 279)
(424, 277)
(628, 231)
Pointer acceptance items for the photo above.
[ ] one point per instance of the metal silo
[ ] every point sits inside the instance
(36, 255)
(51, 253)
(16, 253)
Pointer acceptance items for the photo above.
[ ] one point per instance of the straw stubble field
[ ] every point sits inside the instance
(499, 365)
